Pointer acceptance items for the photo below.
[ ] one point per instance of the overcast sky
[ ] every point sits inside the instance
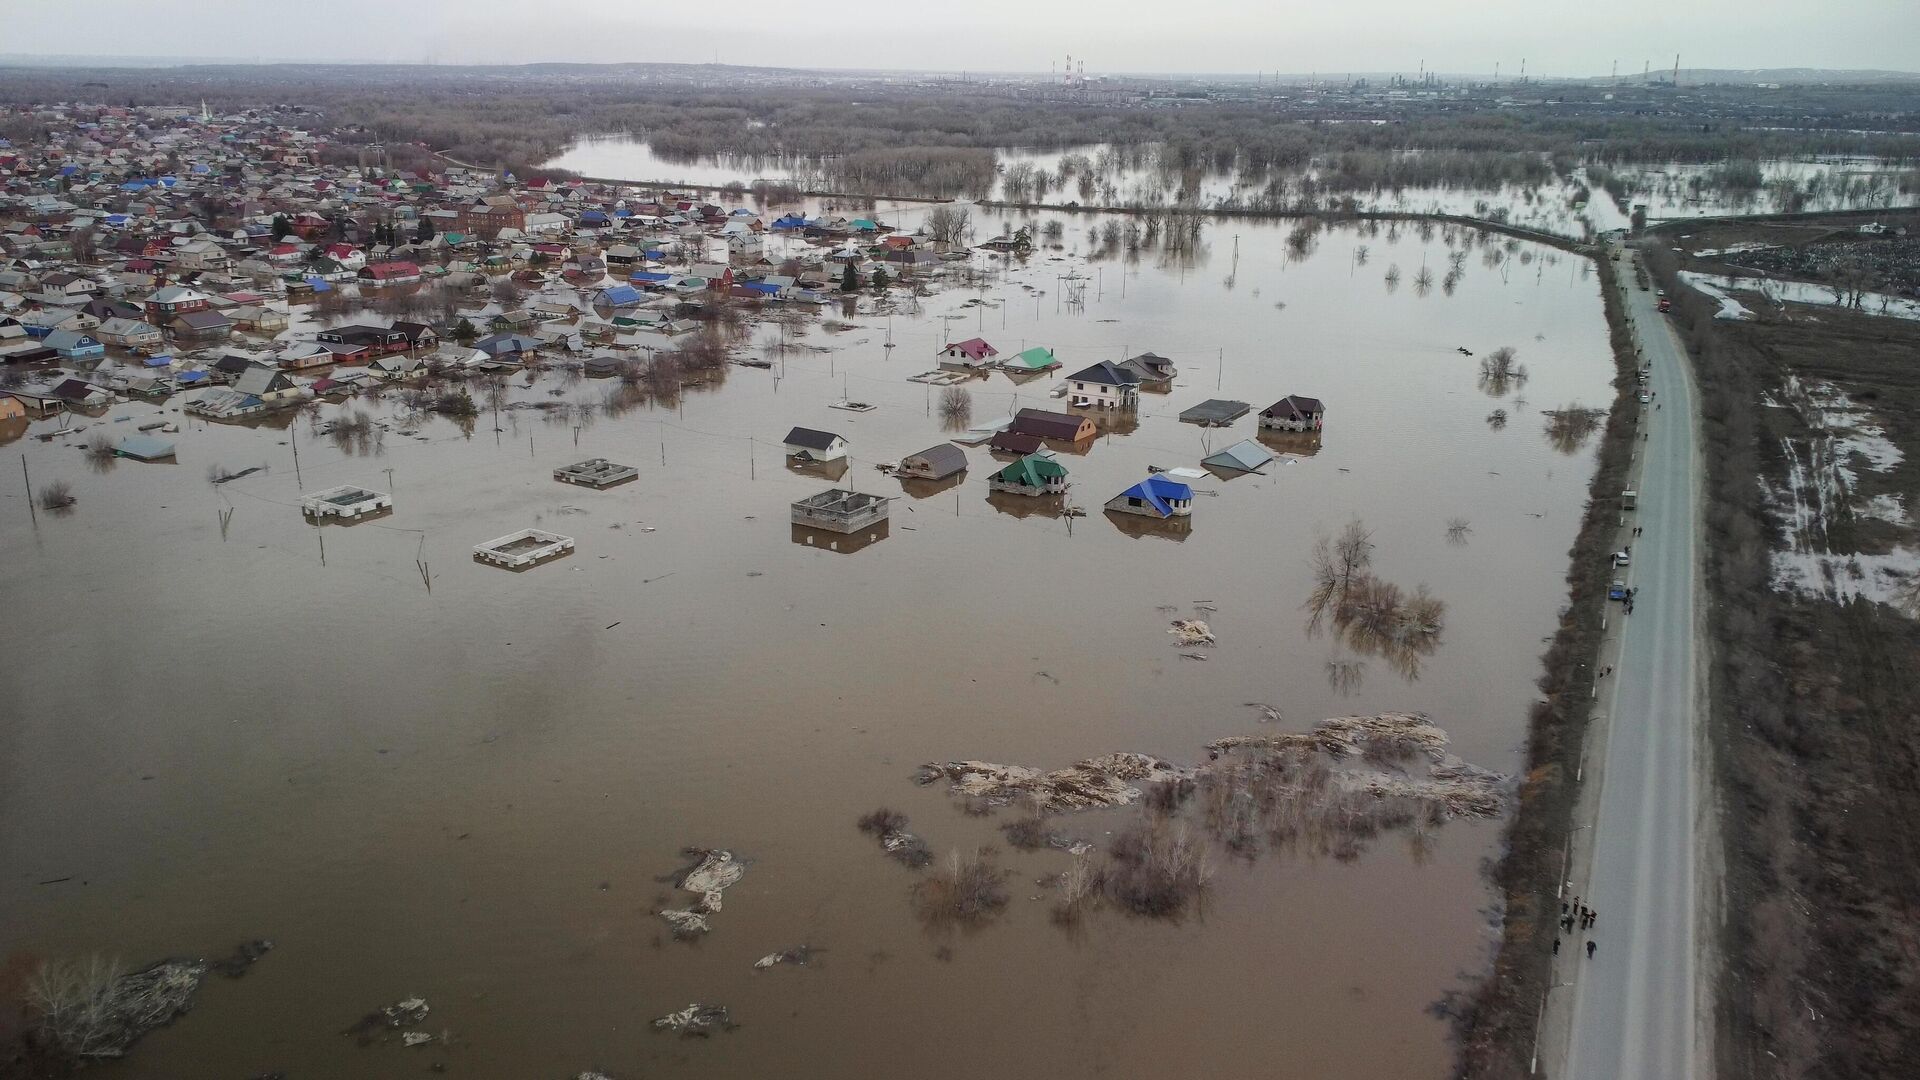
(1558, 37)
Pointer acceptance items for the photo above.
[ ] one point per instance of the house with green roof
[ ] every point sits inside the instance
(1031, 475)
(1030, 362)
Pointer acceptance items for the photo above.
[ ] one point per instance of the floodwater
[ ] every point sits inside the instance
(1669, 190)
(470, 793)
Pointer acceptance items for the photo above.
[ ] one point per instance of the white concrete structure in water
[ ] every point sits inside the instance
(522, 549)
(345, 501)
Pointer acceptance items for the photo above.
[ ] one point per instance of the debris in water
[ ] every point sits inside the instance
(712, 872)
(406, 1013)
(895, 840)
(1193, 656)
(415, 1038)
(243, 957)
(1101, 781)
(90, 1010)
(1187, 632)
(798, 956)
(1268, 714)
(697, 1021)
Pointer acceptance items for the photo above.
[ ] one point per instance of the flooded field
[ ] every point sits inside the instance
(420, 775)
(1099, 174)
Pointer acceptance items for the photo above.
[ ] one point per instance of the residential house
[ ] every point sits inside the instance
(201, 326)
(129, 334)
(267, 383)
(165, 303)
(1031, 475)
(397, 366)
(971, 354)
(934, 463)
(1030, 362)
(1064, 427)
(1153, 369)
(73, 345)
(81, 395)
(65, 288)
(1013, 442)
(1293, 413)
(1243, 456)
(810, 445)
(377, 340)
(1106, 385)
(1154, 497)
(419, 335)
(397, 272)
(201, 255)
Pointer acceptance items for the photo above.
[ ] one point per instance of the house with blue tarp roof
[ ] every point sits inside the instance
(620, 296)
(1154, 497)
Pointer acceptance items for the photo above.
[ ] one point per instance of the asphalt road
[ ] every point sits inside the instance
(1633, 1010)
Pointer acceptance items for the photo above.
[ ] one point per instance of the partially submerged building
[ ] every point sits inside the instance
(1154, 497)
(1294, 413)
(1031, 475)
(1216, 412)
(523, 549)
(1243, 456)
(1105, 385)
(842, 511)
(934, 463)
(808, 444)
(595, 473)
(345, 501)
(1064, 427)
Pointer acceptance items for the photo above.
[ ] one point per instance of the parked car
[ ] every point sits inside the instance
(1617, 590)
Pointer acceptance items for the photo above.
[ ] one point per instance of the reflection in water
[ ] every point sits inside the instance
(1025, 506)
(1345, 674)
(825, 470)
(1175, 529)
(1370, 616)
(1303, 444)
(956, 409)
(917, 488)
(1569, 429)
(843, 543)
(1500, 374)
(1393, 277)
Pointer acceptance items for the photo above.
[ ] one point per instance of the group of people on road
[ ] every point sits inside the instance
(1572, 913)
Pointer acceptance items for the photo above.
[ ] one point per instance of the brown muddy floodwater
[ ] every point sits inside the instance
(470, 794)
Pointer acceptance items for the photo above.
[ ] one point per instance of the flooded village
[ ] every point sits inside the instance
(444, 554)
(567, 621)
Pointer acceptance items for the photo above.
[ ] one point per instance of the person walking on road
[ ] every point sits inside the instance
(1590, 947)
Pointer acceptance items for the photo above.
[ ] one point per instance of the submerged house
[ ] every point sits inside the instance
(1293, 413)
(971, 354)
(1106, 385)
(1152, 368)
(1154, 497)
(934, 463)
(1030, 362)
(1064, 427)
(808, 444)
(1243, 456)
(1031, 475)
(841, 511)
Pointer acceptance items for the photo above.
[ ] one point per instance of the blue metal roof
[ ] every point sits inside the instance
(621, 295)
(1158, 492)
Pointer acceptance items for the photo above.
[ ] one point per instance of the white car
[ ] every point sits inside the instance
(1645, 397)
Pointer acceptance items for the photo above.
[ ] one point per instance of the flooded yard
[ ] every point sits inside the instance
(420, 776)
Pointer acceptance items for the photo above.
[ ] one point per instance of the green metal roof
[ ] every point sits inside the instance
(1036, 357)
(1033, 471)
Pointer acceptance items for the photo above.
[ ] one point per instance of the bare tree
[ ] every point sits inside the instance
(950, 225)
(956, 407)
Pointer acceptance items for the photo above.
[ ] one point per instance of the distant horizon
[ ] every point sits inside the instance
(145, 61)
(1206, 38)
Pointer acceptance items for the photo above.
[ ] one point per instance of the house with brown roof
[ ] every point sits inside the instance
(1063, 427)
(1293, 413)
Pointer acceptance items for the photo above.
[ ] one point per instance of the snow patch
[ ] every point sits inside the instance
(1729, 307)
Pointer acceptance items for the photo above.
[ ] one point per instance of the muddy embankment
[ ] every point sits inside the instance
(1816, 700)
(1495, 1018)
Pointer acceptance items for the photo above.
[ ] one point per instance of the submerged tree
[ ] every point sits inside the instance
(1500, 373)
(1569, 429)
